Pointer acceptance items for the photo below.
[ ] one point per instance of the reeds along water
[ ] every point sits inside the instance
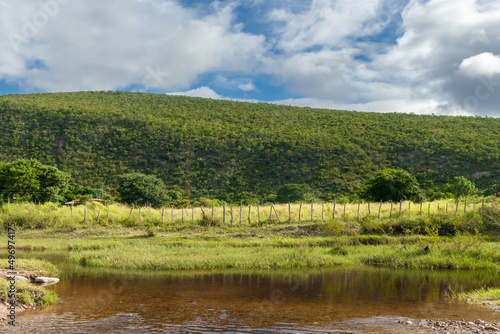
(29, 215)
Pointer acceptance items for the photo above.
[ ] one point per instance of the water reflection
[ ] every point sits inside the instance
(107, 301)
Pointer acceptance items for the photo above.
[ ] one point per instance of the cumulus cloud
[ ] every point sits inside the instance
(113, 44)
(482, 65)
(249, 86)
(438, 36)
(326, 23)
(422, 56)
(203, 91)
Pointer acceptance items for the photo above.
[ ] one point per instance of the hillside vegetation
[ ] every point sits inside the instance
(235, 150)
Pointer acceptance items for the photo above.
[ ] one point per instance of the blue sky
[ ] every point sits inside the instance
(432, 56)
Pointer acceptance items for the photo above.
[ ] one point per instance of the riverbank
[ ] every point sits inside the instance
(283, 246)
(28, 295)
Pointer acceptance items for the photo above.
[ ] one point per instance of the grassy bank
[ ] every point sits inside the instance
(43, 268)
(286, 246)
(484, 296)
(289, 253)
(151, 239)
(28, 294)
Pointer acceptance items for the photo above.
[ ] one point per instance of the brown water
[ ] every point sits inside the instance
(297, 301)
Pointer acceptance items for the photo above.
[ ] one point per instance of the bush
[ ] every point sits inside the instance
(292, 193)
(460, 187)
(392, 185)
(142, 189)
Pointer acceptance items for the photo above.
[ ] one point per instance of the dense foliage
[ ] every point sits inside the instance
(292, 193)
(460, 187)
(142, 189)
(29, 180)
(240, 151)
(392, 185)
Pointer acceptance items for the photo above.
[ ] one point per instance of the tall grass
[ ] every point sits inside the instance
(371, 217)
(288, 253)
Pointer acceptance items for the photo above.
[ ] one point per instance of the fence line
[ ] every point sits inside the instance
(349, 212)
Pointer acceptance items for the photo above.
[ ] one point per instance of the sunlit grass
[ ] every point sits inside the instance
(484, 296)
(32, 216)
(27, 293)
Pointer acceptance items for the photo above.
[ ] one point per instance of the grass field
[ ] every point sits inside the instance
(463, 238)
(32, 216)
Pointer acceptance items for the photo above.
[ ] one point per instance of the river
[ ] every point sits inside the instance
(338, 300)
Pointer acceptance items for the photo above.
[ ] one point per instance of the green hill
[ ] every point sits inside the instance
(231, 149)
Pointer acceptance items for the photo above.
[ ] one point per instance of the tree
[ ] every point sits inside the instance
(494, 189)
(392, 185)
(292, 193)
(30, 180)
(460, 187)
(142, 189)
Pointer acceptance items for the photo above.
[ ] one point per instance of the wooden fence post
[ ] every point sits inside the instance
(465, 206)
(312, 209)
(289, 212)
(300, 209)
(271, 212)
(369, 211)
(482, 207)
(276, 213)
(223, 212)
(231, 215)
(409, 208)
(162, 215)
(344, 211)
(379, 209)
(322, 210)
(202, 212)
(84, 215)
(390, 212)
(334, 204)
(400, 206)
(172, 214)
(456, 209)
(131, 209)
(359, 204)
(249, 212)
(258, 211)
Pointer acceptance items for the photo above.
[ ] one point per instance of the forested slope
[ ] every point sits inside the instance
(231, 149)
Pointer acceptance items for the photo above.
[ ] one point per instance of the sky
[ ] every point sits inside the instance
(415, 56)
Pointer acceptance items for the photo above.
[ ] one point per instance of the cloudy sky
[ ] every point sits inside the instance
(421, 56)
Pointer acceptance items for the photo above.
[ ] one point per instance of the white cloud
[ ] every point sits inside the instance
(440, 39)
(92, 44)
(249, 86)
(446, 60)
(326, 23)
(438, 36)
(203, 91)
(481, 65)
